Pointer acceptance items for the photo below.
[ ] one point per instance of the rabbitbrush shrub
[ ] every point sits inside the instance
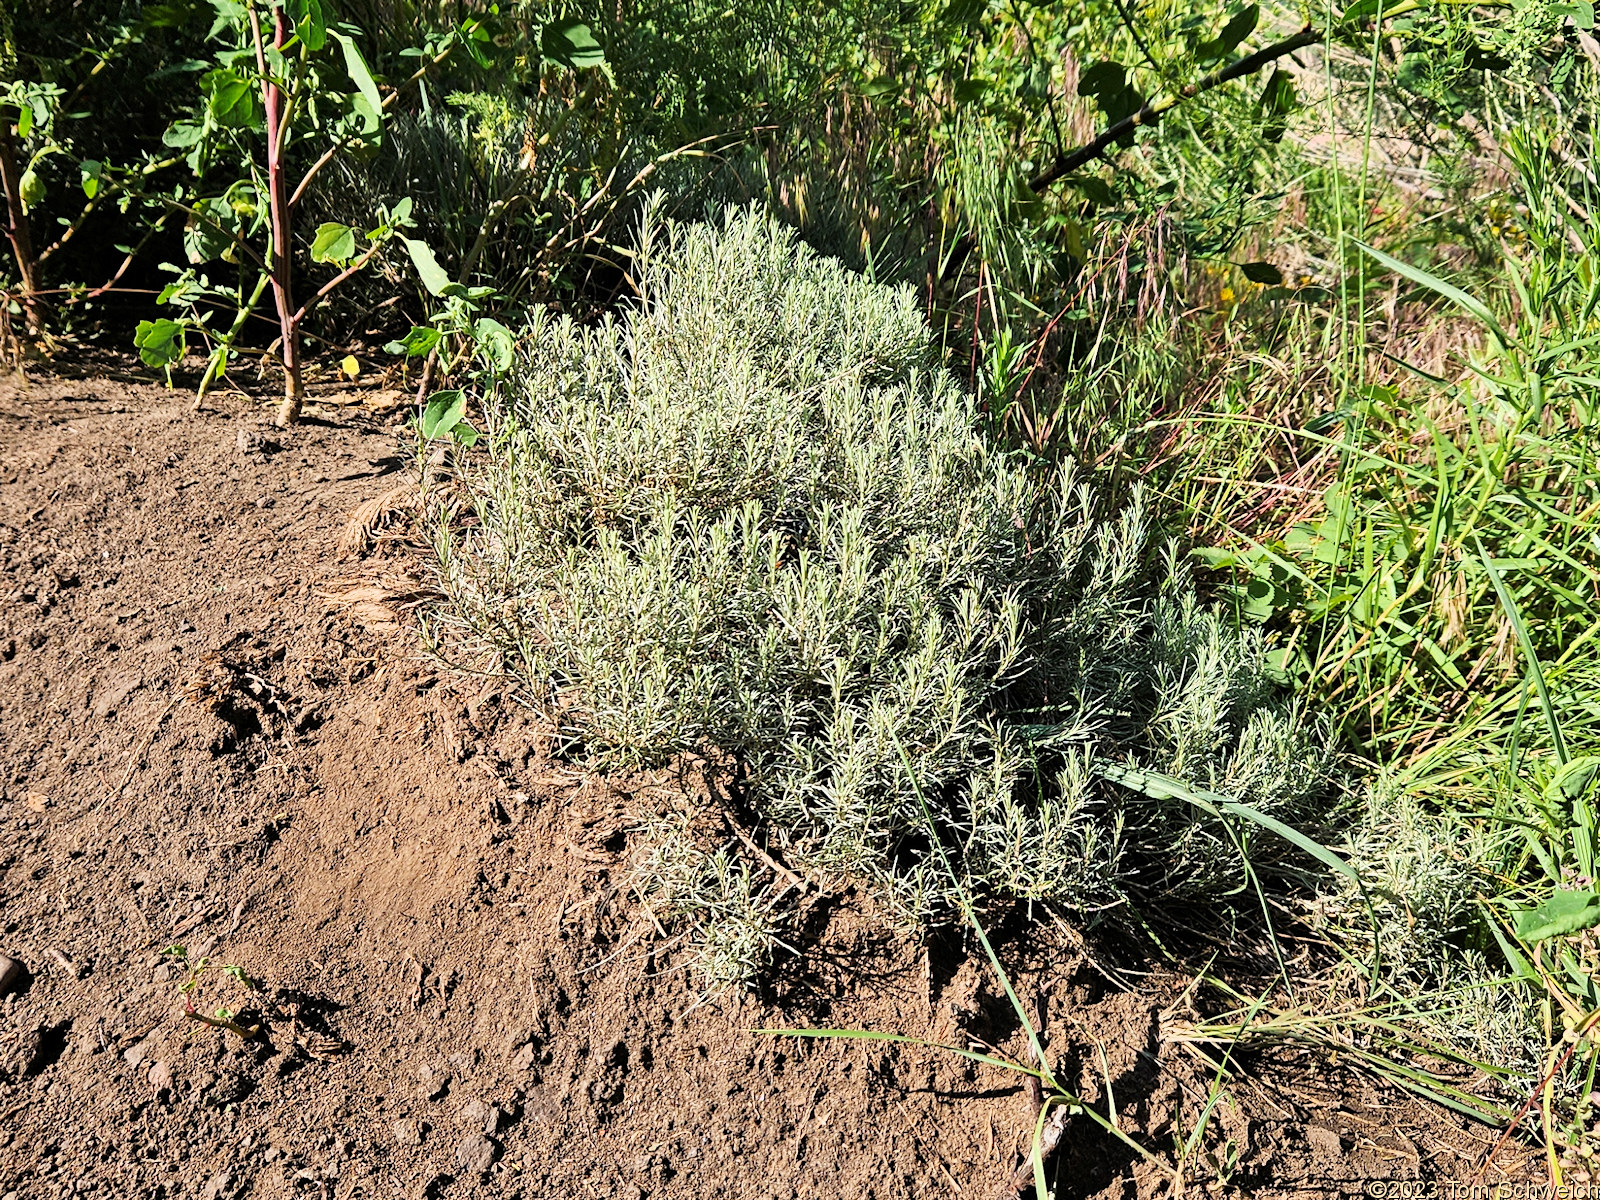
(751, 512)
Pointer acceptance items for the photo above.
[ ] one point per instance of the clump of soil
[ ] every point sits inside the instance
(218, 728)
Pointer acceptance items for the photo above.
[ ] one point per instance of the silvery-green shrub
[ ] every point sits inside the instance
(752, 512)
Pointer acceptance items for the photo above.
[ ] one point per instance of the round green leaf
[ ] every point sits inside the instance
(443, 413)
(32, 189)
(571, 43)
(333, 243)
(494, 342)
(428, 269)
(1564, 912)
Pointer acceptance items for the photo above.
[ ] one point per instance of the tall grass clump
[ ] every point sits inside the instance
(751, 513)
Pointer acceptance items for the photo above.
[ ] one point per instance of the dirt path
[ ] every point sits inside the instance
(217, 728)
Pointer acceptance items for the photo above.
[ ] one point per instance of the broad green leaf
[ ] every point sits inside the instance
(180, 135)
(1218, 559)
(464, 434)
(1581, 12)
(1261, 272)
(90, 172)
(24, 120)
(1563, 913)
(1519, 964)
(1277, 101)
(428, 269)
(495, 343)
(418, 342)
(333, 243)
(32, 190)
(1236, 30)
(1101, 79)
(310, 23)
(207, 235)
(571, 44)
(371, 119)
(473, 37)
(442, 413)
(231, 98)
(1572, 781)
(1095, 190)
(964, 13)
(167, 16)
(356, 67)
(1277, 95)
(160, 342)
(1258, 600)
(882, 85)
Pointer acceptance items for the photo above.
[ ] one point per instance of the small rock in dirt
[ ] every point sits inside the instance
(218, 1186)
(1325, 1143)
(135, 1054)
(253, 441)
(160, 1076)
(110, 693)
(229, 1087)
(37, 802)
(28, 1057)
(407, 1132)
(434, 1082)
(472, 1113)
(475, 1155)
(12, 975)
(524, 1057)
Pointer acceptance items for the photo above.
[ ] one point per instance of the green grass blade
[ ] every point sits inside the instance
(1534, 669)
(1160, 787)
(1450, 292)
(966, 903)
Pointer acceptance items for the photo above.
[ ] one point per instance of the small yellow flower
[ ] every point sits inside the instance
(1227, 295)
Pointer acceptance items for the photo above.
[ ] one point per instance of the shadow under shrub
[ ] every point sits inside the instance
(752, 512)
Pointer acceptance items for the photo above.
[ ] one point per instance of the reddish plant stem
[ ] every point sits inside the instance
(17, 228)
(282, 247)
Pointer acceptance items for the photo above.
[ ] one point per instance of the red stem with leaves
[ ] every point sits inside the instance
(282, 259)
(17, 227)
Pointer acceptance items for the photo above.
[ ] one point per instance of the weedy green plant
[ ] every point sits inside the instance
(1412, 513)
(223, 1017)
(268, 90)
(752, 513)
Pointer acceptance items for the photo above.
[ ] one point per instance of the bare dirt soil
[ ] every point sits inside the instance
(218, 728)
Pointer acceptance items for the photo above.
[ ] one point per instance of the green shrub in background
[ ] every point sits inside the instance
(752, 513)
